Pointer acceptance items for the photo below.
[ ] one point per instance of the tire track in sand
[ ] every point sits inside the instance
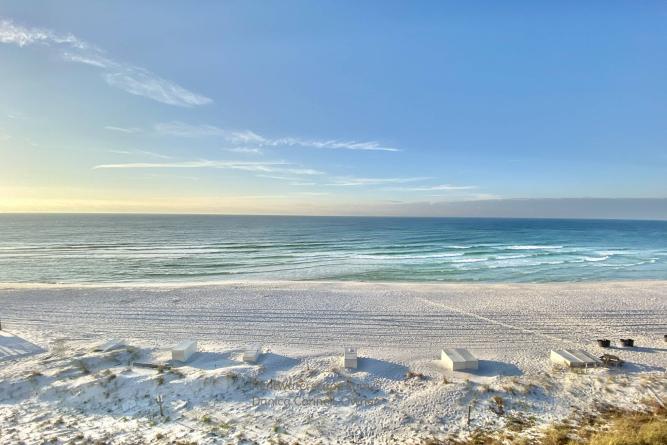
(496, 322)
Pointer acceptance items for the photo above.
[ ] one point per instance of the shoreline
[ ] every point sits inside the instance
(195, 284)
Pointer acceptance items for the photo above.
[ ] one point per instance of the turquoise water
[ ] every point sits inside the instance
(166, 248)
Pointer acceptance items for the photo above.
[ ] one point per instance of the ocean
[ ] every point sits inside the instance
(77, 249)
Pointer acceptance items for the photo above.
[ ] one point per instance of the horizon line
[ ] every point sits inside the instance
(296, 215)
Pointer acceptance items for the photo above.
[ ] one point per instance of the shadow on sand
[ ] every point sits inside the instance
(637, 349)
(274, 364)
(382, 369)
(632, 368)
(12, 347)
(209, 360)
(492, 368)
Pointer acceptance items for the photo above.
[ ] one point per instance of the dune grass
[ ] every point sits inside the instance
(607, 428)
(633, 430)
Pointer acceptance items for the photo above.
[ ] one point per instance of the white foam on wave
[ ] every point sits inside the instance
(470, 260)
(592, 259)
(621, 266)
(407, 257)
(521, 263)
(616, 252)
(533, 247)
(511, 257)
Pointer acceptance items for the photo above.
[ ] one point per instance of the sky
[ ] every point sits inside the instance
(334, 107)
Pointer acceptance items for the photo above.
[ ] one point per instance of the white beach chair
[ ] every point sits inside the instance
(574, 358)
(350, 357)
(252, 353)
(184, 350)
(458, 359)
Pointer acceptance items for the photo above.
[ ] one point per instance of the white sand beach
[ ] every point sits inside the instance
(53, 386)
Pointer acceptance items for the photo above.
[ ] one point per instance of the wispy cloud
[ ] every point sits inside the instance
(15, 115)
(129, 130)
(132, 79)
(314, 193)
(266, 167)
(185, 130)
(168, 176)
(347, 181)
(250, 137)
(431, 188)
(140, 152)
(253, 139)
(244, 150)
(290, 180)
(329, 144)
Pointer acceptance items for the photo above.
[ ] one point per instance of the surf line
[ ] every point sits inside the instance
(496, 322)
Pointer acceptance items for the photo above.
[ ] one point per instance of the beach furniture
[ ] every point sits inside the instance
(109, 345)
(627, 342)
(611, 360)
(574, 358)
(350, 357)
(252, 353)
(604, 342)
(458, 359)
(183, 351)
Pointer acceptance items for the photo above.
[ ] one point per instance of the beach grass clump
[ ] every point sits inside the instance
(414, 375)
(612, 428)
(633, 430)
(498, 405)
(558, 434)
(176, 373)
(518, 422)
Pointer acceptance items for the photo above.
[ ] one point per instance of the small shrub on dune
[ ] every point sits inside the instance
(498, 405)
(414, 375)
(558, 434)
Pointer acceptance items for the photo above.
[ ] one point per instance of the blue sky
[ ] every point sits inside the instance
(328, 107)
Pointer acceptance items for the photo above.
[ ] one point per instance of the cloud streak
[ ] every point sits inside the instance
(131, 130)
(129, 78)
(346, 181)
(262, 167)
(140, 152)
(252, 139)
(432, 188)
(244, 150)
